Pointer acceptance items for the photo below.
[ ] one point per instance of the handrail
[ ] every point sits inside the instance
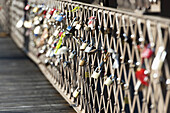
(128, 69)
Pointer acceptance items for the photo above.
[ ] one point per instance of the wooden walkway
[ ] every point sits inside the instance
(23, 88)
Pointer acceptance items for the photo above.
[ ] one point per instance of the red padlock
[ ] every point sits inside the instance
(147, 52)
(27, 7)
(52, 11)
(142, 76)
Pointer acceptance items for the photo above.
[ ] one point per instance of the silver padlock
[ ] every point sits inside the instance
(78, 26)
(96, 73)
(83, 46)
(88, 48)
(109, 80)
(72, 55)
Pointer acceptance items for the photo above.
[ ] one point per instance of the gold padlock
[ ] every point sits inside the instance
(35, 10)
(76, 93)
(82, 62)
(86, 74)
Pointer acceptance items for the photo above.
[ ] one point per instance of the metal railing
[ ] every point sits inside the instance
(129, 51)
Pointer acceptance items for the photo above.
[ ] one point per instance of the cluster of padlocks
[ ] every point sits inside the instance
(58, 46)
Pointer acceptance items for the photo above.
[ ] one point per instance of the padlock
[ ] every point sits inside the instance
(35, 10)
(116, 62)
(27, 24)
(92, 22)
(76, 93)
(59, 18)
(20, 23)
(57, 62)
(86, 74)
(52, 54)
(83, 46)
(72, 55)
(27, 7)
(45, 34)
(37, 30)
(75, 23)
(48, 52)
(125, 37)
(56, 32)
(147, 52)
(126, 101)
(62, 50)
(96, 73)
(159, 59)
(51, 39)
(86, 28)
(69, 28)
(109, 80)
(142, 76)
(82, 62)
(88, 48)
(47, 62)
(66, 63)
(78, 26)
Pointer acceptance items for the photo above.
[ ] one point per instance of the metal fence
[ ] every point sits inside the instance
(119, 64)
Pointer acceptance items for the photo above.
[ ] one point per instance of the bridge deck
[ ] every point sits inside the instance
(23, 88)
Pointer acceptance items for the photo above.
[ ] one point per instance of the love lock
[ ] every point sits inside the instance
(142, 76)
(37, 30)
(69, 28)
(48, 52)
(116, 63)
(27, 24)
(109, 80)
(62, 50)
(51, 39)
(147, 52)
(58, 60)
(88, 48)
(82, 62)
(20, 23)
(76, 92)
(27, 7)
(159, 59)
(72, 55)
(66, 63)
(59, 18)
(83, 46)
(35, 10)
(75, 23)
(92, 22)
(96, 73)
(86, 28)
(78, 26)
